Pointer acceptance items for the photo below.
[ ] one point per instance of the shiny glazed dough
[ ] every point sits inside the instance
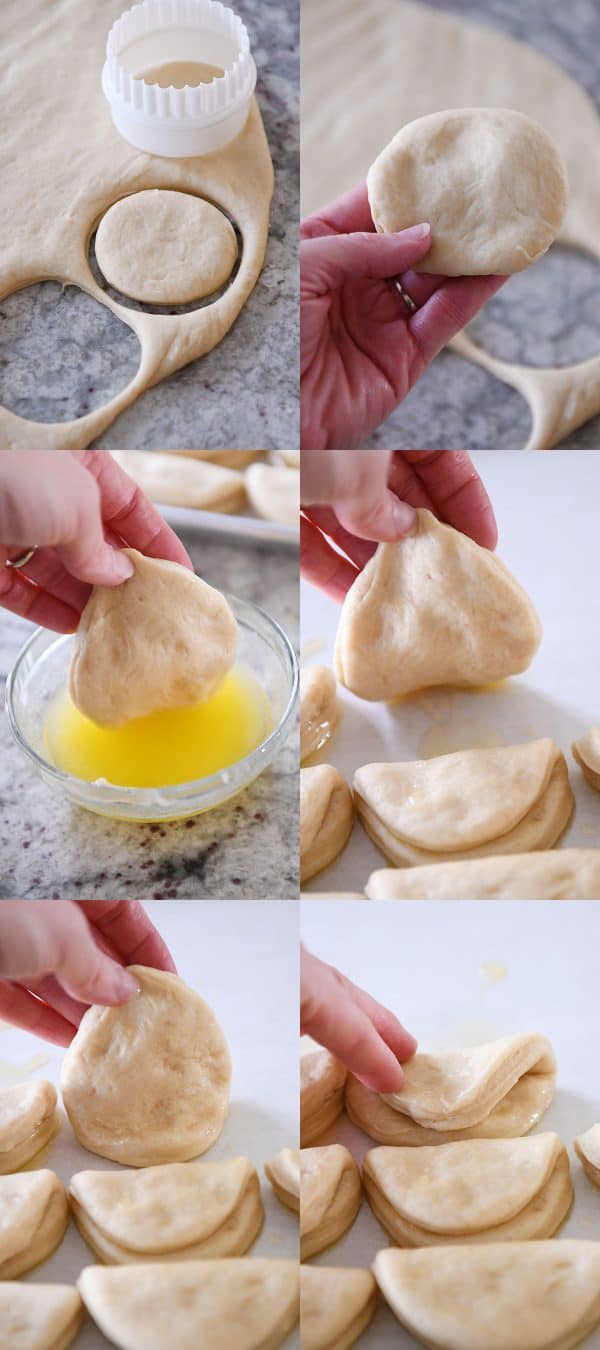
(326, 816)
(28, 1120)
(319, 709)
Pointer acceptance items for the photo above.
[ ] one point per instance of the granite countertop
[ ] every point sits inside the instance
(459, 404)
(245, 392)
(247, 849)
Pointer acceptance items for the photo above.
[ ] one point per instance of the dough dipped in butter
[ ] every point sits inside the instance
(558, 874)
(326, 816)
(586, 751)
(28, 1120)
(587, 1148)
(283, 1171)
(162, 639)
(336, 1305)
(184, 481)
(330, 1196)
(322, 1081)
(319, 709)
(39, 1316)
(34, 1214)
(434, 609)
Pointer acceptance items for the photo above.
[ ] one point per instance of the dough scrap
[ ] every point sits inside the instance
(28, 1120)
(34, 1214)
(283, 1171)
(330, 1196)
(39, 1316)
(165, 248)
(586, 751)
(322, 1082)
(148, 1082)
(249, 1304)
(562, 874)
(434, 609)
(587, 1148)
(336, 1305)
(326, 817)
(162, 639)
(319, 709)
(534, 1295)
(274, 492)
(184, 481)
(489, 181)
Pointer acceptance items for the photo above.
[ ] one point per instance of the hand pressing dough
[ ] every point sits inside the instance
(221, 1305)
(562, 874)
(319, 709)
(274, 492)
(330, 1196)
(165, 248)
(184, 481)
(28, 1120)
(283, 1171)
(587, 1148)
(162, 639)
(34, 1214)
(326, 816)
(433, 609)
(475, 1190)
(489, 181)
(172, 1212)
(39, 1316)
(148, 1082)
(504, 1296)
(322, 1081)
(336, 1306)
(587, 753)
(466, 805)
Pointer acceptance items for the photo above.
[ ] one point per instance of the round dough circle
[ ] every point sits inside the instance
(165, 248)
(148, 1082)
(489, 181)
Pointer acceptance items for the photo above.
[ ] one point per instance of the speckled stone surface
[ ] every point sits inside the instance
(62, 354)
(247, 849)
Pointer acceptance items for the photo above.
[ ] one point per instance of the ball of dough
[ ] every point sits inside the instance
(489, 181)
(165, 248)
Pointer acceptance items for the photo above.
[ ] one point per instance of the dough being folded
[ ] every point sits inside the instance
(243, 1304)
(431, 610)
(322, 1081)
(39, 1316)
(336, 1305)
(319, 709)
(184, 481)
(162, 639)
(510, 799)
(587, 1148)
(172, 1212)
(330, 1196)
(28, 1120)
(148, 1082)
(475, 1190)
(34, 1214)
(274, 492)
(501, 1296)
(283, 1171)
(562, 874)
(326, 817)
(586, 751)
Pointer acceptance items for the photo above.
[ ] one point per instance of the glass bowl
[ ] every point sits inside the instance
(41, 670)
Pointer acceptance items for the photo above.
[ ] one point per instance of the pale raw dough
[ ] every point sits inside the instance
(28, 1120)
(291, 457)
(530, 1295)
(39, 1316)
(510, 799)
(274, 492)
(175, 1211)
(586, 751)
(148, 1082)
(76, 166)
(433, 609)
(561, 874)
(165, 248)
(162, 639)
(319, 709)
(326, 815)
(34, 1214)
(330, 1196)
(231, 459)
(322, 1081)
(184, 482)
(283, 1171)
(587, 1148)
(474, 1190)
(221, 1305)
(336, 1305)
(489, 181)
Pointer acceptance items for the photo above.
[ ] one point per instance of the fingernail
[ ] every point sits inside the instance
(123, 566)
(126, 986)
(405, 516)
(417, 231)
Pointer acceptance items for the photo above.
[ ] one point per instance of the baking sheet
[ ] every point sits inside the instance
(458, 974)
(238, 528)
(243, 959)
(547, 508)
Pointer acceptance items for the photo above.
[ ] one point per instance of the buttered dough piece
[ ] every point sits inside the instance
(509, 799)
(174, 1211)
(336, 1305)
(319, 709)
(165, 248)
(162, 639)
(431, 610)
(28, 1120)
(274, 492)
(34, 1214)
(586, 751)
(326, 816)
(225, 1305)
(330, 1196)
(489, 181)
(475, 1190)
(587, 1148)
(148, 1082)
(283, 1171)
(322, 1081)
(563, 874)
(501, 1296)
(184, 481)
(39, 1316)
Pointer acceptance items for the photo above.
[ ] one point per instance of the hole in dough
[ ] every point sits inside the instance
(62, 353)
(457, 403)
(548, 315)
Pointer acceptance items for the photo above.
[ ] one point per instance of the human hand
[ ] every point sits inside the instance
(355, 497)
(362, 349)
(366, 1037)
(59, 956)
(79, 509)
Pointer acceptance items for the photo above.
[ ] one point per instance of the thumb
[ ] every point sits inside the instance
(330, 260)
(384, 519)
(43, 937)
